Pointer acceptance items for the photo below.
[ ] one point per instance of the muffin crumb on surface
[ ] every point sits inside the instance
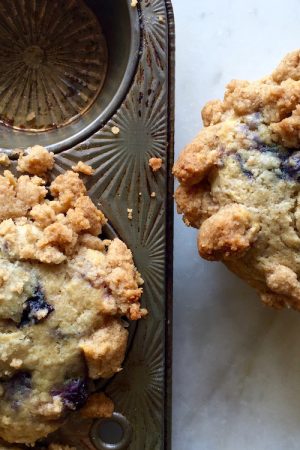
(130, 213)
(4, 160)
(155, 164)
(115, 130)
(30, 116)
(81, 167)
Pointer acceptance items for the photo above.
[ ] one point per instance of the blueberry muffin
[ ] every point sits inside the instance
(240, 183)
(63, 291)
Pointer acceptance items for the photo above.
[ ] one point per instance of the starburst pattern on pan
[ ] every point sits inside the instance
(138, 389)
(144, 233)
(154, 15)
(119, 160)
(123, 180)
(53, 61)
(122, 172)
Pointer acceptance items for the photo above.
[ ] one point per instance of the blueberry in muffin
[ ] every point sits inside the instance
(63, 291)
(240, 183)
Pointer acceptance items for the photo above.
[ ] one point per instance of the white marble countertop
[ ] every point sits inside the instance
(236, 382)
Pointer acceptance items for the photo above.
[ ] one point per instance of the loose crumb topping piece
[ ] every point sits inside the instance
(36, 161)
(83, 168)
(97, 406)
(115, 130)
(4, 160)
(130, 213)
(155, 164)
(30, 116)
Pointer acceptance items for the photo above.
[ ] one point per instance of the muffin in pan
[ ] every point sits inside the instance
(240, 183)
(63, 291)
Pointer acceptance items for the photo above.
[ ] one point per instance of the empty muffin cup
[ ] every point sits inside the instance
(65, 67)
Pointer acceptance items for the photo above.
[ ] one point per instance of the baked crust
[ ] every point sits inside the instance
(63, 291)
(239, 182)
(97, 406)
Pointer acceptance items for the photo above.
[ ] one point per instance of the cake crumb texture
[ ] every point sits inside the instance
(239, 183)
(63, 292)
(115, 130)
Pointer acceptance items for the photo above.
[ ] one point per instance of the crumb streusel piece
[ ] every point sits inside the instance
(83, 168)
(63, 291)
(115, 130)
(97, 406)
(36, 161)
(155, 164)
(4, 160)
(240, 183)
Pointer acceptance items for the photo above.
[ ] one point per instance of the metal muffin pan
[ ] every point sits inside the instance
(137, 97)
(65, 67)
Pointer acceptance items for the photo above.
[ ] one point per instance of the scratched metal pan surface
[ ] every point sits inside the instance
(54, 91)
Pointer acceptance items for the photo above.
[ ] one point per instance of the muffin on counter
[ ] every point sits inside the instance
(240, 183)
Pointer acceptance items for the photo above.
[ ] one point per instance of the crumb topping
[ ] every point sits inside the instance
(240, 182)
(4, 160)
(83, 168)
(130, 213)
(104, 351)
(46, 230)
(98, 406)
(36, 161)
(115, 130)
(155, 164)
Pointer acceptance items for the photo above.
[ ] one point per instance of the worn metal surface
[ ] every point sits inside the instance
(53, 63)
(35, 39)
(123, 180)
